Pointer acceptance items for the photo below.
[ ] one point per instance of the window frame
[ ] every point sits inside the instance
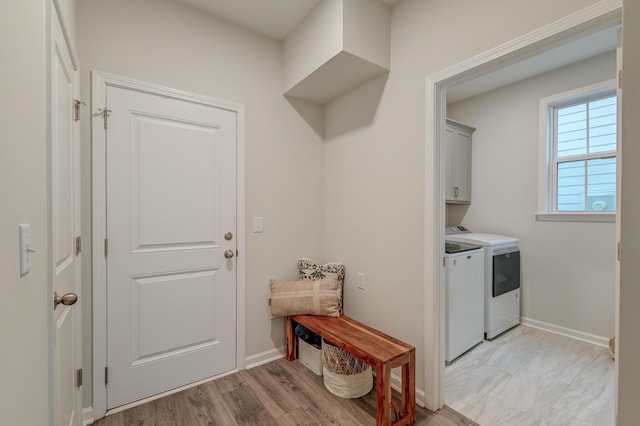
(548, 160)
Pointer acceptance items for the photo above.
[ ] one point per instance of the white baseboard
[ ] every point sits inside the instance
(256, 360)
(568, 332)
(87, 416)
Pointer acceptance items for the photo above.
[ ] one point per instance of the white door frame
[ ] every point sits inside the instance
(99, 83)
(600, 15)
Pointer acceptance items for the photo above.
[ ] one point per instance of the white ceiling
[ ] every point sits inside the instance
(277, 18)
(274, 18)
(568, 53)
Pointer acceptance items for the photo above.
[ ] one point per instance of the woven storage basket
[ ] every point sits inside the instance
(345, 375)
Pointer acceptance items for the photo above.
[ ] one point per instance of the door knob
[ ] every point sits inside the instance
(228, 254)
(228, 236)
(67, 299)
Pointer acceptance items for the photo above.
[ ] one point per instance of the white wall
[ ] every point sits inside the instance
(175, 45)
(376, 194)
(628, 367)
(24, 388)
(366, 30)
(568, 269)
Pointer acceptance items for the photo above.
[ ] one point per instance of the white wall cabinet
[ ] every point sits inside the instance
(458, 162)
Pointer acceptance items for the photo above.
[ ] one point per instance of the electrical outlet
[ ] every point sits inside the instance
(360, 280)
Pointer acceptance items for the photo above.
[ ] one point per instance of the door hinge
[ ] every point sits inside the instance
(76, 109)
(620, 79)
(618, 251)
(78, 245)
(106, 247)
(106, 376)
(79, 377)
(105, 115)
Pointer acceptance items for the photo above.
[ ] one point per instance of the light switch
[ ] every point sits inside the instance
(257, 224)
(24, 231)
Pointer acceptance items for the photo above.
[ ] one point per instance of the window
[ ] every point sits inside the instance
(580, 146)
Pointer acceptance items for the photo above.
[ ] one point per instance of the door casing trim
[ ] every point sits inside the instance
(99, 83)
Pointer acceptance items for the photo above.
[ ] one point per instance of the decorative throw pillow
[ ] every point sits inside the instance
(309, 270)
(308, 297)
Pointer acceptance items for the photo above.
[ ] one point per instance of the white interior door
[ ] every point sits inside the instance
(171, 225)
(65, 220)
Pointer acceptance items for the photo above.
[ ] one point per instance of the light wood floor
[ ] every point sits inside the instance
(277, 393)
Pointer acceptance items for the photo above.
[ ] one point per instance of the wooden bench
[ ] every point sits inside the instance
(378, 350)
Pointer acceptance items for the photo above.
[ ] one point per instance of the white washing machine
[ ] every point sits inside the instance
(501, 277)
(464, 298)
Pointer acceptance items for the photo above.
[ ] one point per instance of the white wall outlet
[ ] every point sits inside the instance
(257, 224)
(360, 280)
(24, 231)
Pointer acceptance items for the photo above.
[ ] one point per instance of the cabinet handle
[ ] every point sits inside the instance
(455, 192)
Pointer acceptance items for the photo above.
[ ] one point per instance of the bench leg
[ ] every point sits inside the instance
(291, 339)
(383, 396)
(409, 388)
(406, 413)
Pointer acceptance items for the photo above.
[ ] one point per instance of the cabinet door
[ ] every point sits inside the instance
(462, 166)
(458, 164)
(449, 163)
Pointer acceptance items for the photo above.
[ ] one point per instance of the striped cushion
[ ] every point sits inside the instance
(305, 297)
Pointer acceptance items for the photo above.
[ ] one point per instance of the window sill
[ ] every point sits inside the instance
(576, 217)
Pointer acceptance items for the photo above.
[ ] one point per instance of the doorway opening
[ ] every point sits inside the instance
(520, 51)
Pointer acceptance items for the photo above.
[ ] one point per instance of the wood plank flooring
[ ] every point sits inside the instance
(279, 393)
